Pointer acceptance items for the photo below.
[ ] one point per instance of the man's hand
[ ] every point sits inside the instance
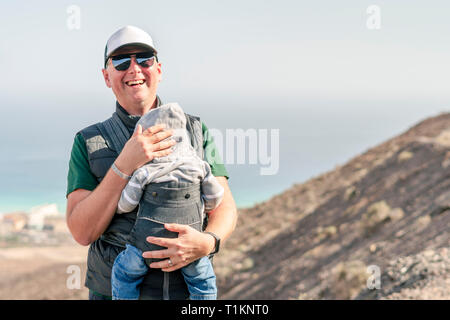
(143, 147)
(188, 247)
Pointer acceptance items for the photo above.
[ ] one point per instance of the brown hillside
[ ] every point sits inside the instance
(315, 240)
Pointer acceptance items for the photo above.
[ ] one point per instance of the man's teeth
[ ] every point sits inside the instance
(134, 82)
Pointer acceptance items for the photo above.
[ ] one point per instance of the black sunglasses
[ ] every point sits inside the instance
(122, 62)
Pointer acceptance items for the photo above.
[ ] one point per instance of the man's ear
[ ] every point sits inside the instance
(158, 65)
(106, 77)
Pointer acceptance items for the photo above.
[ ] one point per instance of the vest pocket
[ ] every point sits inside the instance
(188, 215)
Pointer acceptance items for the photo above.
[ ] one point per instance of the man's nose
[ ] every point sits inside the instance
(134, 66)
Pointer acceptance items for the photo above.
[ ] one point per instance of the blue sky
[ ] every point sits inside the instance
(294, 48)
(312, 69)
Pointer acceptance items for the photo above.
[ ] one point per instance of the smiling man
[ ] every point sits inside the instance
(104, 156)
(135, 89)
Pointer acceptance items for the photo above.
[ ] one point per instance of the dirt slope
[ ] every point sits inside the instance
(316, 240)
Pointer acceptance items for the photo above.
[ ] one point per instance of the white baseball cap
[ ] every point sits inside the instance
(128, 35)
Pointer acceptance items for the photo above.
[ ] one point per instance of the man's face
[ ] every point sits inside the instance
(138, 97)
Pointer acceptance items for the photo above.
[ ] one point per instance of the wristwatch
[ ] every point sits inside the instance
(217, 245)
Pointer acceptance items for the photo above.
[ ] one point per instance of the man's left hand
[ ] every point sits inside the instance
(188, 247)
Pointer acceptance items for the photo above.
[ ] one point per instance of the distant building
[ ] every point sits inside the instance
(39, 213)
(14, 221)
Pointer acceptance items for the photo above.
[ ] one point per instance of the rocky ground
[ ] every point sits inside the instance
(423, 276)
(316, 239)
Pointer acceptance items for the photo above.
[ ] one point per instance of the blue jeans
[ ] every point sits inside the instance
(129, 269)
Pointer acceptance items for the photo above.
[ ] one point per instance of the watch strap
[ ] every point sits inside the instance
(217, 242)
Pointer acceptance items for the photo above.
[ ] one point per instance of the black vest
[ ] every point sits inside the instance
(103, 148)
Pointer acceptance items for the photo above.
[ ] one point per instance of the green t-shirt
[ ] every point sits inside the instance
(81, 177)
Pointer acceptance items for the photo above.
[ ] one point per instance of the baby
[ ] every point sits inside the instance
(177, 188)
